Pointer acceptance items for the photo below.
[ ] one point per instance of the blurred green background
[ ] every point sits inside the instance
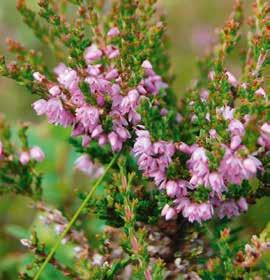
(192, 31)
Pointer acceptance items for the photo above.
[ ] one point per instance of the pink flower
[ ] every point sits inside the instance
(251, 165)
(184, 148)
(176, 188)
(24, 158)
(68, 78)
(66, 119)
(129, 104)
(194, 211)
(88, 116)
(178, 118)
(38, 77)
(94, 70)
(168, 212)
(54, 111)
(198, 166)
(130, 101)
(260, 92)
(227, 112)
(213, 133)
(85, 165)
(92, 53)
(216, 182)
(115, 141)
(232, 208)
(228, 209)
(211, 75)
(143, 143)
(40, 106)
(204, 94)
(153, 84)
(235, 142)
(122, 132)
(163, 112)
(60, 68)
(113, 32)
(152, 159)
(264, 139)
(54, 90)
(112, 51)
(97, 131)
(147, 65)
(148, 69)
(77, 99)
(231, 79)
(231, 167)
(236, 128)
(112, 74)
(242, 204)
(37, 154)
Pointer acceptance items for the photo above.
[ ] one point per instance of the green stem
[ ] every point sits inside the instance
(74, 218)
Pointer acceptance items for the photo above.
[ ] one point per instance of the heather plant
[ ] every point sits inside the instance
(166, 176)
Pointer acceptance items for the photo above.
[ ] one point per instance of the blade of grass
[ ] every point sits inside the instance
(74, 218)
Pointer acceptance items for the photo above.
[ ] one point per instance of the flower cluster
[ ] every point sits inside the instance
(214, 169)
(94, 100)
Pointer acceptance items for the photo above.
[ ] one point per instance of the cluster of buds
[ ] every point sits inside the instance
(34, 153)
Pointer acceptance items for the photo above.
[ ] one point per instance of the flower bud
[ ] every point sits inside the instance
(24, 158)
(37, 154)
